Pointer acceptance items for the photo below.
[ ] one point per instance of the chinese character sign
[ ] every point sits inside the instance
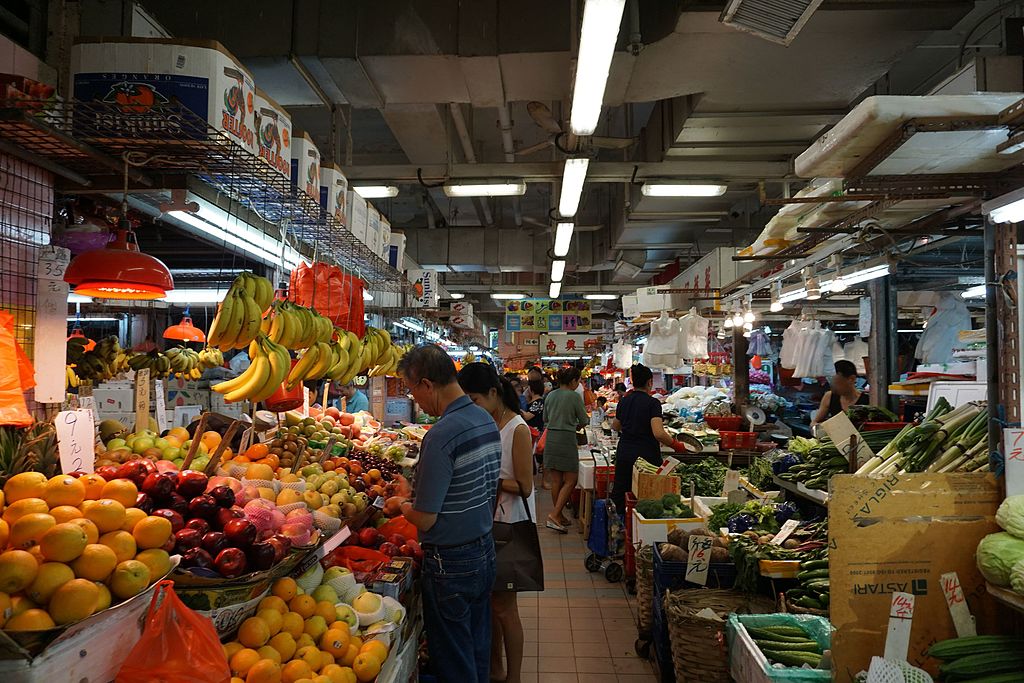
(548, 315)
(568, 344)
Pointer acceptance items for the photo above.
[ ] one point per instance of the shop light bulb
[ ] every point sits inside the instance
(776, 306)
(838, 285)
(748, 326)
(507, 296)
(563, 238)
(509, 189)
(376, 191)
(601, 297)
(862, 275)
(573, 176)
(727, 323)
(557, 270)
(749, 316)
(456, 295)
(746, 333)
(598, 32)
(975, 292)
(555, 290)
(682, 190)
(737, 319)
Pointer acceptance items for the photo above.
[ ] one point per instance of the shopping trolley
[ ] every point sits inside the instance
(605, 542)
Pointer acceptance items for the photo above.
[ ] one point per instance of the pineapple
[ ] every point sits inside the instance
(31, 449)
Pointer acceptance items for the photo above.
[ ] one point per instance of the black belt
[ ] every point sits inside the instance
(434, 546)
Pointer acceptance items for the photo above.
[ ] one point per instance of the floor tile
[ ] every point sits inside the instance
(546, 677)
(592, 650)
(556, 664)
(530, 663)
(557, 635)
(551, 649)
(591, 636)
(531, 635)
(585, 614)
(636, 678)
(631, 665)
(528, 677)
(594, 665)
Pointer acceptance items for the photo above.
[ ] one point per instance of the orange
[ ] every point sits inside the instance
(106, 513)
(132, 516)
(231, 648)
(322, 678)
(130, 578)
(310, 654)
(326, 658)
(30, 620)
(63, 542)
(15, 511)
(257, 451)
(284, 644)
(91, 531)
(152, 532)
(305, 640)
(256, 471)
(357, 641)
(24, 485)
(253, 632)
(303, 604)
(122, 543)
(19, 604)
(335, 641)
(275, 603)
(65, 513)
(294, 670)
(28, 530)
(103, 602)
(315, 626)
(5, 608)
(64, 490)
(338, 674)
(123, 491)
(366, 667)
(95, 563)
(272, 618)
(264, 671)
(326, 610)
(293, 624)
(236, 679)
(376, 647)
(73, 601)
(211, 440)
(93, 484)
(37, 553)
(5, 533)
(350, 654)
(243, 660)
(267, 652)
(49, 577)
(158, 561)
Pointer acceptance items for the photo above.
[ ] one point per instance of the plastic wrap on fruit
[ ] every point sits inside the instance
(785, 462)
(737, 524)
(785, 511)
(395, 453)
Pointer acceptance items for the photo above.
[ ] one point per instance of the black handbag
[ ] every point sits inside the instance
(519, 565)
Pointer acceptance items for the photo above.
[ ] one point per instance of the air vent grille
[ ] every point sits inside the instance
(776, 20)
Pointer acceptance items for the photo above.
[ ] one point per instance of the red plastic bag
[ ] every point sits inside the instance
(360, 561)
(14, 368)
(333, 293)
(399, 525)
(177, 645)
(539, 448)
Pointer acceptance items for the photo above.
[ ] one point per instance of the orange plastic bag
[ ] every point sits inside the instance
(539, 448)
(360, 561)
(399, 525)
(333, 293)
(14, 366)
(177, 645)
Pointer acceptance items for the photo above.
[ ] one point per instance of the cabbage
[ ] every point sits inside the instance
(1017, 578)
(1010, 515)
(997, 554)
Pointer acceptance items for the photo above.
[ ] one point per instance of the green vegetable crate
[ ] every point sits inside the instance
(747, 661)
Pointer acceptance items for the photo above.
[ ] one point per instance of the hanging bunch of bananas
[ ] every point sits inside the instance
(102, 363)
(268, 369)
(72, 380)
(158, 364)
(240, 314)
(297, 327)
(210, 357)
(184, 362)
(76, 348)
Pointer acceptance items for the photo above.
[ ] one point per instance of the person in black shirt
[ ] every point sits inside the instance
(641, 432)
(843, 393)
(534, 412)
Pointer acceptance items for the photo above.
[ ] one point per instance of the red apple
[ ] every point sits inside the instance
(191, 483)
(108, 472)
(397, 539)
(230, 562)
(144, 502)
(158, 485)
(261, 555)
(76, 474)
(281, 546)
(134, 471)
(196, 557)
(203, 506)
(240, 532)
(150, 465)
(224, 515)
(172, 516)
(177, 502)
(369, 537)
(389, 549)
(199, 524)
(224, 496)
(187, 538)
(214, 542)
(169, 545)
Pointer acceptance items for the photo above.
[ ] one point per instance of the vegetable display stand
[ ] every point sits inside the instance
(699, 654)
(747, 661)
(669, 575)
(648, 485)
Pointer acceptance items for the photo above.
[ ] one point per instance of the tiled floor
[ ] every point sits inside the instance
(581, 626)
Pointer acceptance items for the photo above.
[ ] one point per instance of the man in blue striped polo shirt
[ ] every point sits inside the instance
(455, 487)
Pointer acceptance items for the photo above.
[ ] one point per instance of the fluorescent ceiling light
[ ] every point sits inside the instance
(456, 295)
(601, 297)
(507, 296)
(1009, 208)
(367, 296)
(411, 324)
(598, 32)
(910, 330)
(376, 191)
(557, 270)
(94, 320)
(563, 238)
(863, 275)
(794, 295)
(972, 293)
(682, 190)
(504, 189)
(234, 232)
(573, 175)
(555, 290)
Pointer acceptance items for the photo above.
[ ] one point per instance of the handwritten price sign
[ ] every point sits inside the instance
(901, 615)
(957, 603)
(75, 440)
(1013, 450)
(700, 560)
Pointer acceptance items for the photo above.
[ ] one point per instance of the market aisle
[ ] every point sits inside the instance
(581, 626)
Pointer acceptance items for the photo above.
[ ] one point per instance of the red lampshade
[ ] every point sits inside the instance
(77, 332)
(185, 331)
(119, 271)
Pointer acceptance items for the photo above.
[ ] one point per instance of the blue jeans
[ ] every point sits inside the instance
(457, 610)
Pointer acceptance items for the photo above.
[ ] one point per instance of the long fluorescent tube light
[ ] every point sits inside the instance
(573, 175)
(1007, 208)
(865, 274)
(973, 293)
(555, 290)
(563, 238)
(506, 189)
(376, 191)
(456, 295)
(682, 190)
(557, 270)
(94, 320)
(507, 296)
(601, 297)
(794, 295)
(598, 33)
(233, 231)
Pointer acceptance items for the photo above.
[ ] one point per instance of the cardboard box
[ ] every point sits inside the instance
(372, 229)
(188, 397)
(648, 531)
(357, 212)
(219, 405)
(114, 400)
(901, 534)
(393, 579)
(396, 251)
(334, 193)
(305, 165)
(273, 128)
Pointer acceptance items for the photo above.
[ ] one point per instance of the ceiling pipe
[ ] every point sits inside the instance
(483, 209)
(505, 124)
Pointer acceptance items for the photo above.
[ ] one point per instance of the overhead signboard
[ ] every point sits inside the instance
(569, 345)
(548, 315)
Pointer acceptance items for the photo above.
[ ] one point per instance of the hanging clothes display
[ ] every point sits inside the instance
(808, 347)
(759, 345)
(855, 352)
(693, 335)
(662, 349)
(790, 340)
(943, 330)
(622, 355)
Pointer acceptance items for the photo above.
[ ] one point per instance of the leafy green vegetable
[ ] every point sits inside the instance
(671, 500)
(707, 475)
(720, 515)
(997, 554)
(1010, 515)
(650, 509)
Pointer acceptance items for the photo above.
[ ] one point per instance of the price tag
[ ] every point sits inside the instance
(901, 616)
(185, 415)
(305, 402)
(1013, 451)
(667, 465)
(141, 399)
(89, 403)
(379, 503)
(732, 482)
(788, 528)
(51, 326)
(161, 406)
(957, 603)
(75, 440)
(840, 429)
(699, 561)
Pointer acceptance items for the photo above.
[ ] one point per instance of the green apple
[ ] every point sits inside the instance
(117, 443)
(333, 573)
(346, 614)
(325, 592)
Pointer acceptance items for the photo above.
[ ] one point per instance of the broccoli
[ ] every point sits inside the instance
(671, 500)
(650, 509)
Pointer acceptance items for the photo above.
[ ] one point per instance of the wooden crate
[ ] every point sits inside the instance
(647, 485)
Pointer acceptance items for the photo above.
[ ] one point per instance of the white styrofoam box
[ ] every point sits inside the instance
(305, 164)
(333, 193)
(385, 238)
(967, 368)
(981, 366)
(652, 303)
(372, 228)
(630, 306)
(396, 251)
(462, 307)
(139, 73)
(357, 213)
(114, 400)
(648, 531)
(273, 128)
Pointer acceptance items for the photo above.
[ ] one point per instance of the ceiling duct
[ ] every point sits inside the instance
(776, 20)
(630, 264)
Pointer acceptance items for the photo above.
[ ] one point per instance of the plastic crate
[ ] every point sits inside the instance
(672, 575)
(604, 478)
(660, 640)
(730, 423)
(737, 440)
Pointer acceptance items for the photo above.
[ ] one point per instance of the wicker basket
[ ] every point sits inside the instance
(645, 587)
(698, 645)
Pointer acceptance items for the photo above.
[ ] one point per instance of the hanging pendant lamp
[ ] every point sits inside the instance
(77, 333)
(119, 271)
(185, 330)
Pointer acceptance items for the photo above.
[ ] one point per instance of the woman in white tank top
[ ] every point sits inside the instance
(496, 395)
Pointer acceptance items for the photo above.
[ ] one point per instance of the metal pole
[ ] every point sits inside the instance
(882, 343)
(740, 368)
(992, 343)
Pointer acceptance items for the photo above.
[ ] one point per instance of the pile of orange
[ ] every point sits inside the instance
(294, 638)
(258, 453)
(72, 547)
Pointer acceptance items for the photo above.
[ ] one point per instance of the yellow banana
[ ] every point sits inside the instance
(301, 369)
(220, 321)
(232, 325)
(325, 358)
(250, 323)
(256, 378)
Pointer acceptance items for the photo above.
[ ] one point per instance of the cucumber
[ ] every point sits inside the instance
(955, 648)
(984, 663)
(812, 574)
(1012, 677)
(824, 598)
(814, 564)
(809, 646)
(786, 631)
(764, 634)
(793, 658)
(809, 602)
(817, 584)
